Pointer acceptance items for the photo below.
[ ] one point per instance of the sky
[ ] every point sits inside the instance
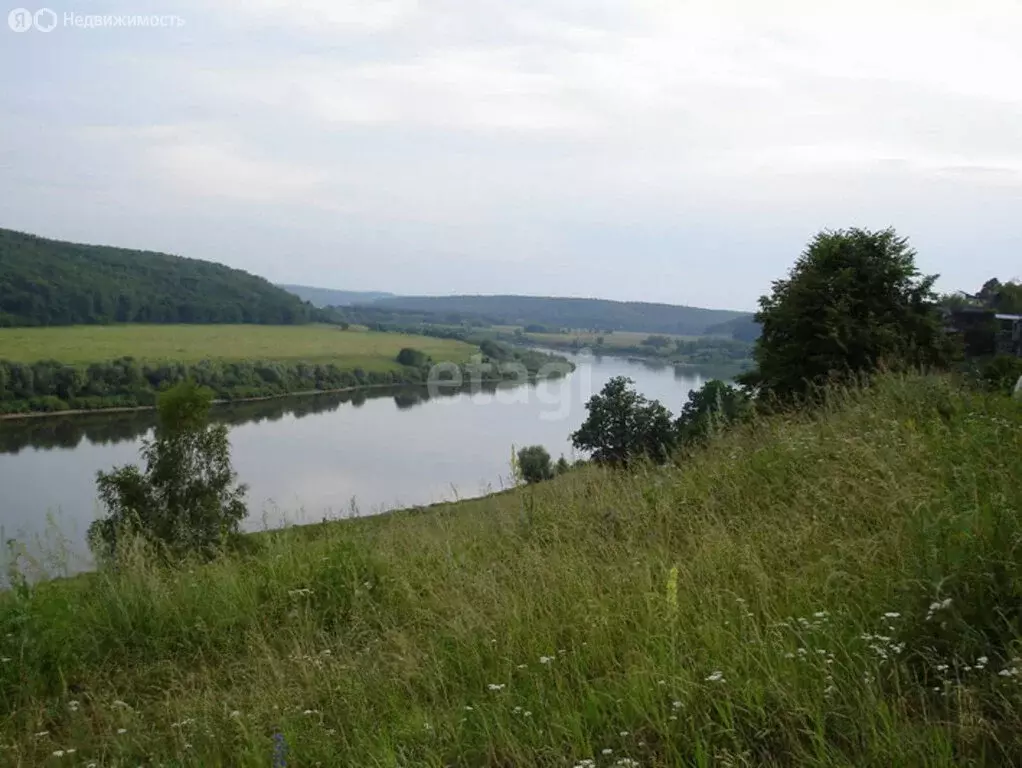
(657, 150)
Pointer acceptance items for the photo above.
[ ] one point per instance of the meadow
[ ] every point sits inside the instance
(349, 349)
(831, 588)
(617, 339)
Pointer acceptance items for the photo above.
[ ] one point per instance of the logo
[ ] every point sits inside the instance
(45, 19)
(20, 20)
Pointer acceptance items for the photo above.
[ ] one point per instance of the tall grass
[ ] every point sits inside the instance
(839, 588)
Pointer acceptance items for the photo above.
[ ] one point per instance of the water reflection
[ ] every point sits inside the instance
(111, 428)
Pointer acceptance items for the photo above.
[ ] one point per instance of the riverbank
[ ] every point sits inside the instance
(315, 359)
(695, 352)
(734, 609)
(483, 382)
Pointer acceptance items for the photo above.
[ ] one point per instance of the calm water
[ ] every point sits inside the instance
(305, 459)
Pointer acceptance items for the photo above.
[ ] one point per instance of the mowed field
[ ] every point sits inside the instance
(369, 350)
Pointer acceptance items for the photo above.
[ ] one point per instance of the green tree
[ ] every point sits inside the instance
(412, 357)
(534, 464)
(562, 466)
(186, 498)
(657, 342)
(622, 426)
(713, 406)
(853, 302)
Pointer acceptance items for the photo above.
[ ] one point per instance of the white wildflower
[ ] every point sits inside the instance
(121, 731)
(608, 751)
(676, 704)
(58, 753)
(892, 615)
(545, 659)
(496, 686)
(716, 677)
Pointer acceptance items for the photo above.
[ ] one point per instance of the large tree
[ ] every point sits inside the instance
(622, 425)
(853, 302)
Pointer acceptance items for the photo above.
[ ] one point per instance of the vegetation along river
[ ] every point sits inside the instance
(309, 458)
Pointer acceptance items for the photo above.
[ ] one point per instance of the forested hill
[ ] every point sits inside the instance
(51, 282)
(600, 314)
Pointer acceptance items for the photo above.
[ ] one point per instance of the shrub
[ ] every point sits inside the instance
(412, 357)
(713, 406)
(534, 464)
(185, 500)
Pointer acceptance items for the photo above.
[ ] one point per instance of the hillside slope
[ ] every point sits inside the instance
(838, 588)
(52, 282)
(559, 312)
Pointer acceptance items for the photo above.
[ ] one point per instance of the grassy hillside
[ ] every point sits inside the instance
(329, 297)
(52, 282)
(563, 312)
(834, 589)
(192, 343)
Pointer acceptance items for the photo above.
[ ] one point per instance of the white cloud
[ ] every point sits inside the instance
(481, 133)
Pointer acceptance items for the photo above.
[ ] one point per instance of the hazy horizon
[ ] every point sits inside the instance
(645, 150)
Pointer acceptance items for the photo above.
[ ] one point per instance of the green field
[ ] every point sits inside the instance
(838, 588)
(191, 343)
(610, 340)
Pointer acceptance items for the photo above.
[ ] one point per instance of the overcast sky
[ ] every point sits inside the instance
(658, 150)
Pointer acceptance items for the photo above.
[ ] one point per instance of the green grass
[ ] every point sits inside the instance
(191, 343)
(765, 602)
(610, 340)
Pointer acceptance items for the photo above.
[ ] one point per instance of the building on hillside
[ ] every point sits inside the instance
(1009, 335)
(985, 332)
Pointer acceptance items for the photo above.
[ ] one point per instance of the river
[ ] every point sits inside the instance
(315, 457)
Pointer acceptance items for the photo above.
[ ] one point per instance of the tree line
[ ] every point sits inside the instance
(49, 386)
(853, 304)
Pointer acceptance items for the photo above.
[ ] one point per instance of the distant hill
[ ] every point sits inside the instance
(556, 312)
(52, 282)
(328, 297)
(744, 328)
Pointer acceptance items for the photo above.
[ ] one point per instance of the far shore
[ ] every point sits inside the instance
(235, 401)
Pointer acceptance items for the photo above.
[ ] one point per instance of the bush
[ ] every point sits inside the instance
(185, 500)
(412, 357)
(1001, 374)
(534, 464)
(712, 407)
